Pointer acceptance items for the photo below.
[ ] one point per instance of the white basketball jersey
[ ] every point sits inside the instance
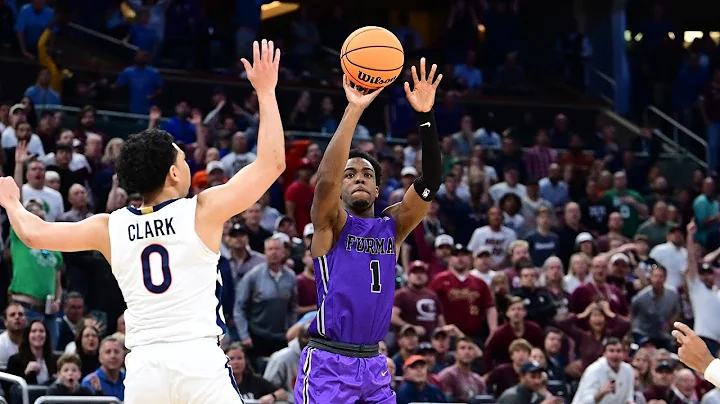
(169, 278)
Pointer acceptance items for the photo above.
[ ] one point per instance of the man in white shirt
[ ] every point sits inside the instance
(510, 185)
(482, 264)
(608, 380)
(35, 188)
(673, 256)
(239, 157)
(9, 138)
(15, 321)
(496, 236)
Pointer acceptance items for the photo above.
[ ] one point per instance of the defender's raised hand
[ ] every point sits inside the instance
(356, 97)
(263, 73)
(422, 96)
(9, 192)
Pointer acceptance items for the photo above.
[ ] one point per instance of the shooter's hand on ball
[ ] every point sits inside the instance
(422, 96)
(356, 97)
(693, 352)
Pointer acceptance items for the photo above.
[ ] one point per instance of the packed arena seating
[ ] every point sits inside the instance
(554, 246)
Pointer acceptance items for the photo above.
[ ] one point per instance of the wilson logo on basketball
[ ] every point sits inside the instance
(364, 77)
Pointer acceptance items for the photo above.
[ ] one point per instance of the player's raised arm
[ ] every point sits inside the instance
(327, 213)
(218, 204)
(34, 232)
(416, 202)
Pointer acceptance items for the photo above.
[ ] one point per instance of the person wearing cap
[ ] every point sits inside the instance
(661, 386)
(482, 264)
(427, 351)
(543, 242)
(654, 309)
(528, 390)
(416, 387)
(307, 233)
(657, 226)
(470, 314)
(443, 251)
(673, 256)
(299, 195)
(459, 381)
(407, 176)
(200, 178)
(241, 257)
(286, 225)
(609, 380)
(417, 305)
(407, 340)
(496, 235)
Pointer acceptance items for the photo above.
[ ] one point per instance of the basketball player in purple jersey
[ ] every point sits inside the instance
(354, 254)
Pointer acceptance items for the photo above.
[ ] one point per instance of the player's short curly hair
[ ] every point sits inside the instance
(373, 161)
(144, 161)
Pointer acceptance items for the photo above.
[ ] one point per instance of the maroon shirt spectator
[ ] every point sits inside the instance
(459, 381)
(497, 347)
(299, 196)
(307, 293)
(539, 157)
(662, 379)
(603, 324)
(417, 305)
(598, 289)
(507, 375)
(86, 124)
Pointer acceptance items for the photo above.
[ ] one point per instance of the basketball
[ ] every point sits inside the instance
(372, 57)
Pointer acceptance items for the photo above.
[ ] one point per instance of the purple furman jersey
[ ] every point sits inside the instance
(356, 283)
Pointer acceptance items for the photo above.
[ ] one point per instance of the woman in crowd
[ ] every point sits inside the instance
(251, 385)
(578, 272)
(500, 287)
(88, 341)
(641, 361)
(35, 362)
(586, 243)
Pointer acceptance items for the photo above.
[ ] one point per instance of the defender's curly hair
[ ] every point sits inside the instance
(373, 161)
(144, 161)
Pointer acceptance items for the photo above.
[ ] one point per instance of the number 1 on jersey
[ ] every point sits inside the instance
(165, 264)
(375, 287)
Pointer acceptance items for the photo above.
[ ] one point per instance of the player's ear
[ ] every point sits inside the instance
(377, 192)
(174, 173)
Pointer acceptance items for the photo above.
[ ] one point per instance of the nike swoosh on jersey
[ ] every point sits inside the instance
(384, 373)
(426, 124)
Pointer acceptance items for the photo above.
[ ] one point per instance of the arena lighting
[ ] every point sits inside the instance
(276, 9)
(689, 36)
(671, 35)
(481, 28)
(715, 36)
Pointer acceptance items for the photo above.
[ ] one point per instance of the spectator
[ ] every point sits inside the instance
(144, 83)
(441, 256)
(417, 305)
(141, 34)
(407, 341)
(700, 281)
(662, 379)
(578, 271)
(68, 178)
(628, 202)
(307, 292)
(240, 258)
(540, 156)
(440, 340)
(599, 290)
(87, 347)
(72, 320)
(41, 93)
(239, 157)
(35, 362)
(496, 347)
(557, 360)
(251, 385)
(672, 256)
(32, 20)
(181, 127)
(256, 233)
(684, 386)
(10, 339)
(494, 235)
(528, 388)
(109, 377)
(569, 231)
(706, 212)
(467, 73)
(608, 380)
(654, 309)
(614, 233)
(510, 77)
(543, 243)
(460, 382)
(68, 381)
(506, 375)
(482, 264)
(466, 300)
(415, 387)
(282, 366)
(510, 185)
(299, 195)
(710, 112)
(79, 206)
(539, 304)
(553, 189)
(657, 227)
(265, 303)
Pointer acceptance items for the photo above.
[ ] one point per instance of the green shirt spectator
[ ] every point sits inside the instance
(626, 202)
(34, 271)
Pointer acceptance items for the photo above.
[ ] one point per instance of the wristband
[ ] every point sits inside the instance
(712, 373)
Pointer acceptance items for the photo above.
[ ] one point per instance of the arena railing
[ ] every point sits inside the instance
(7, 377)
(683, 138)
(608, 82)
(77, 399)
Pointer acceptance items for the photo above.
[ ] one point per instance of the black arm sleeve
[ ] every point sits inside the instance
(429, 182)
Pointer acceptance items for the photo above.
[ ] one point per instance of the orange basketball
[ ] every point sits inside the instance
(372, 57)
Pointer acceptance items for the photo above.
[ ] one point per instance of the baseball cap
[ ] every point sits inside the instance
(406, 329)
(530, 367)
(212, 166)
(284, 238)
(408, 170)
(238, 229)
(706, 268)
(664, 365)
(460, 248)
(425, 347)
(483, 249)
(619, 257)
(33, 202)
(444, 239)
(583, 237)
(417, 265)
(282, 219)
(439, 332)
(17, 107)
(309, 230)
(413, 360)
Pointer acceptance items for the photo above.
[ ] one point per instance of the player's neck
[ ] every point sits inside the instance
(164, 195)
(368, 213)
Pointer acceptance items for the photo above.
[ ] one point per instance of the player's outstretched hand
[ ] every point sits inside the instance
(693, 352)
(422, 96)
(263, 72)
(9, 192)
(357, 97)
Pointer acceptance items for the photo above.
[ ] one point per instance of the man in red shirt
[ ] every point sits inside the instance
(299, 195)
(466, 300)
(417, 305)
(496, 348)
(307, 294)
(599, 289)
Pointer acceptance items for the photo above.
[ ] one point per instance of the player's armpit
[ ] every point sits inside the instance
(218, 204)
(86, 235)
(407, 213)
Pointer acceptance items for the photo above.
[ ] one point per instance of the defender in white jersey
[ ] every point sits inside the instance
(164, 255)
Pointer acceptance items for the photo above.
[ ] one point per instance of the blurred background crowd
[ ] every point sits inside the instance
(578, 216)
